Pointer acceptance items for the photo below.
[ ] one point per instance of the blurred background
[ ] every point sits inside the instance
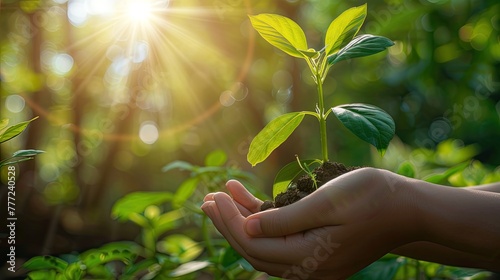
(123, 88)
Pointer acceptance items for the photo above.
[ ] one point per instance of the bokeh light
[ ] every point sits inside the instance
(149, 132)
(14, 103)
(62, 63)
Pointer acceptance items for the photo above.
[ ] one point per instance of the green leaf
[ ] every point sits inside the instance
(216, 158)
(181, 247)
(344, 28)
(229, 258)
(45, 262)
(406, 169)
(189, 267)
(385, 268)
(287, 174)
(124, 251)
(178, 164)
(43, 275)
(136, 203)
(437, 178)
(273, 135)
(74, 271)
(3, 124)
(168, 220)
(360, 46)
(27, 153)
(136, 268)
(369, 123)
(185, 191)
(11, 161)
(311, 53)
(451, 152)
(281, 32)
(15, 130)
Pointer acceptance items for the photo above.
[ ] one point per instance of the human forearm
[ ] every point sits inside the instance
(494, 187)
(465, 220)
(431, 252)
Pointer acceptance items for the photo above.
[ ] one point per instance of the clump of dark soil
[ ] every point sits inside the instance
(305, 185)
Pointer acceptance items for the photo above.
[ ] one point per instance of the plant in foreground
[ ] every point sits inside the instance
(9, 132)
(167, 247)
(368, 122)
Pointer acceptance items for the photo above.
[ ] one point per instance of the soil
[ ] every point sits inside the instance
(305, 185)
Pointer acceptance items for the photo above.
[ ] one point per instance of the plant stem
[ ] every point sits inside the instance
(322, 117)
(206, 236)
(149, 241)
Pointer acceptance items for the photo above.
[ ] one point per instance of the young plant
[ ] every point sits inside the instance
(305, 167)
(368, 122)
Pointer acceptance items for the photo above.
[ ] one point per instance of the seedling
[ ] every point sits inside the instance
(368, 122)
(305, 167)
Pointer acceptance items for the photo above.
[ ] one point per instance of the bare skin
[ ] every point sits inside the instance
(355, 219)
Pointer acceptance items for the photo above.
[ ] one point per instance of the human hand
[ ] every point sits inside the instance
(345, 225)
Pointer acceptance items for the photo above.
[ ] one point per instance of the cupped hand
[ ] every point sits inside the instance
(342, 227)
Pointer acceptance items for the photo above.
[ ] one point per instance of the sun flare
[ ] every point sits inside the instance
(139, 11)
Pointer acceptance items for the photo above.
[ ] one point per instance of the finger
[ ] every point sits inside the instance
(310, 212)
(243, 196)
(276, 269)
(208, 197)
(243, 210)
(287, 250)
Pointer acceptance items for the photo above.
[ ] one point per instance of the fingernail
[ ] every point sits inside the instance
(207, 208)
(252, 227)
(208, 197)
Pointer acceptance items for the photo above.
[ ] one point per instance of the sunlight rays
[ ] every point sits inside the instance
(124, 42)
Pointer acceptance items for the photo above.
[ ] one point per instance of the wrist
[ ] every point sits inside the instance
(460, 219)
(406, 215)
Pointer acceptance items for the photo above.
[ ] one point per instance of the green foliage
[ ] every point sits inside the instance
(440, 177)
(281, 32)
(216, 158)
(273, 135)
(92, 262)
(160, 254)
(385, 268)
(7, 133)
(343, 29)
(187, 268)
(407, 169)
(181, 248)
(288, 173)
(360, 46)
(213, 174)
(20, 156)
(400, 268)
(369, 123)
(46, 262)
(135, 203)
(450, 163)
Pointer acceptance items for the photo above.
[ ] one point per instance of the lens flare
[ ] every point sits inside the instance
(139, 11)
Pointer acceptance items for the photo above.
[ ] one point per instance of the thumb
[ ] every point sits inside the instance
(308, 213)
